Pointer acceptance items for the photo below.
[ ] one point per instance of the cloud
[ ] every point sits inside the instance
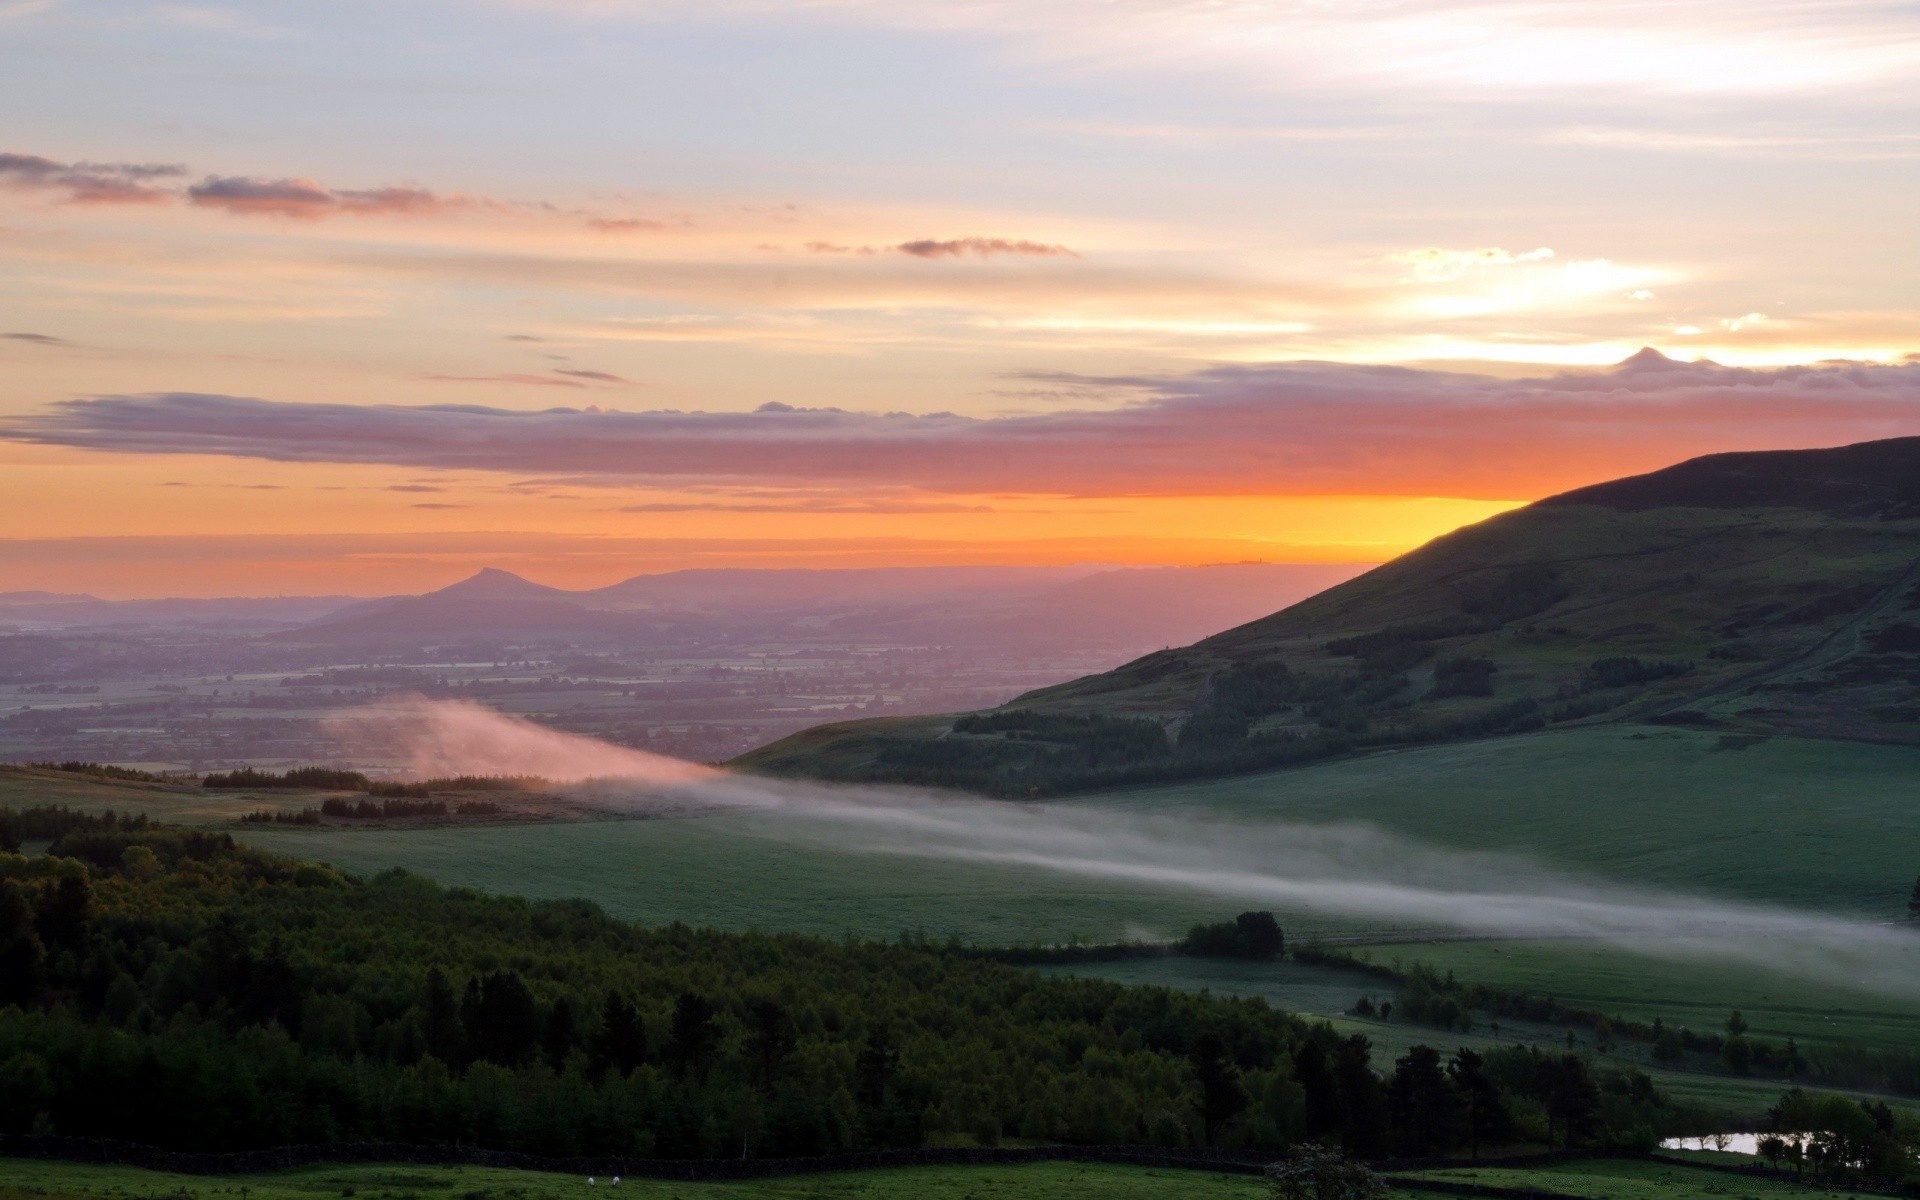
(305, 200)
(1433, 264)
(1301, 428)
(868, 507)
(38, 339)
(1507, 48)
(510, 377)
(88, 183)
(624, 224)
(983, 247)
(595, 376)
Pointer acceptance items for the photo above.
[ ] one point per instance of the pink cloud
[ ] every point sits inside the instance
(1286, 428)
(983, 247)
(88, 183)
(303, 199)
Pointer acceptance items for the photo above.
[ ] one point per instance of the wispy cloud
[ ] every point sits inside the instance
(980, 247)
(305, 200)
(594, 376)
(38, 339)
(1519, 47)
(1290, 428)
(88, 183)
(526, 380)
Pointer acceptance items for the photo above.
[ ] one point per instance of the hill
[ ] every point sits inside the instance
(989, 606)
(1753, 593)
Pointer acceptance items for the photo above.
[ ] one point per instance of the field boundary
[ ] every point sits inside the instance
(250, 1162)
(1391, 1172)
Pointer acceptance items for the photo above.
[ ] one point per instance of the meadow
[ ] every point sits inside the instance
(1612, 1179)
(1327, 993)
(22, 1179)
(1632, 1179)
(1811, 824)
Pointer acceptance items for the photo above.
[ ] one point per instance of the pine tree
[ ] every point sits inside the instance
(1222, 1096)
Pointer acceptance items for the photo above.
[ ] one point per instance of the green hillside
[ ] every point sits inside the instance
(1763, 593)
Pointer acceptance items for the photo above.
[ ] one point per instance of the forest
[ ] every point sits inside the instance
(172, 987)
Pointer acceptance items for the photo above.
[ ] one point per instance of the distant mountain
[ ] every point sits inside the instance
(16, 599)
(491, 583)
(238, 614)
(1755, 593)
(999, 608)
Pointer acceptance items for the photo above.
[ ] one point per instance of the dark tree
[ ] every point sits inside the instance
(440, 1022)
(621, 1043)
(1363, 1101)
(22, 957)
(693, 1035)
(1222, 1096)
(771, 1037)
(505, 1028)
(559, 1036)
(273, 992)
(1426, 1109)
(1487, 1117)
(1570, 1098)
(1260, 935)
(879, 1060)
(226, 958)
(1320, 1094)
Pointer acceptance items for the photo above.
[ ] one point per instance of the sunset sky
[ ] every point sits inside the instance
(352, 297)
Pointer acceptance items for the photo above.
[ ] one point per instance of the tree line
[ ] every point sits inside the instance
(173, 987)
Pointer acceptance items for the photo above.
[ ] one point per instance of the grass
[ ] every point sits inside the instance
(1795, 821)
(1328, 993)
(1630, 1179)
(756, 871)
(1815, 824)
(1696, 993)
(24, 1179)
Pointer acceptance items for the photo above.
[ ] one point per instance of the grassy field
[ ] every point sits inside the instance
(1794, 821)
(1790, 821)
(1327, 993)
(758, 872)
(21, 1179)
(1696, 993)
(1628, 1179)
(1813, 824)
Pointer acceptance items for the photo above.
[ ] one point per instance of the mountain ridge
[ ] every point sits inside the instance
(1609, 602)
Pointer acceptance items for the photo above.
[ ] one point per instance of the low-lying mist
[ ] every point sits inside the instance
(1344, 870)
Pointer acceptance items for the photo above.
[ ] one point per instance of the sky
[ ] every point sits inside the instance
(347, 297)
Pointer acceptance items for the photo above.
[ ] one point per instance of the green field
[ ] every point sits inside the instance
(1603, 1179)
(1804, 823)
(1695, 993)
(1793, 821)
(1327, 993)
(1813, 824)
(23, 1178)
(1630, 1179)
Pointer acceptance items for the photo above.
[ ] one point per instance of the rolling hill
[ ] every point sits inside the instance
(988, 606)
(1758, 593)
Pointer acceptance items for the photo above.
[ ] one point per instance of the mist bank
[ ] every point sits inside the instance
(1346, 870)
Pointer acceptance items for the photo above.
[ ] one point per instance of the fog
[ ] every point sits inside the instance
(1340, 870)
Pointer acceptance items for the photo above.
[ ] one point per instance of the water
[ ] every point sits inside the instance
(1730, 1143)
